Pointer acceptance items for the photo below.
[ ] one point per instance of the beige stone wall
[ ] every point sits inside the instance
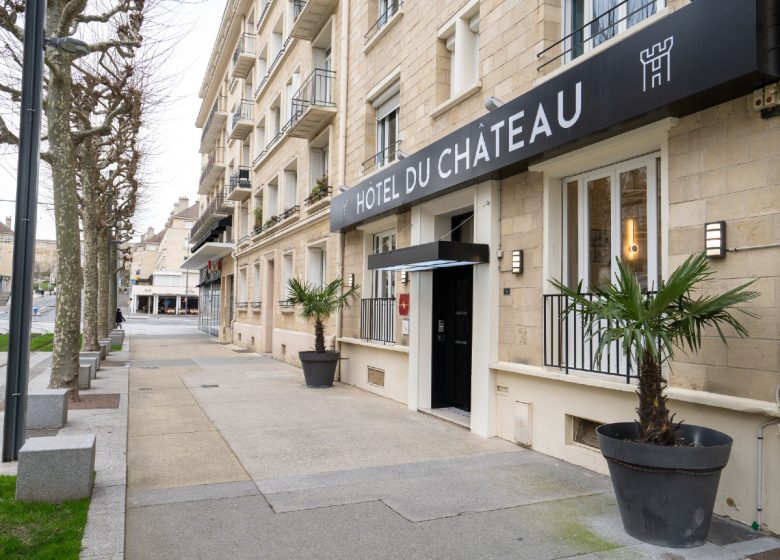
(6, 258)
(725, 165)
(173, 248)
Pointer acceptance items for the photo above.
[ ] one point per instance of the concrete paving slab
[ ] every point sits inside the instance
(142, 498)
(181, 459)
(160, 397)
(145, 421)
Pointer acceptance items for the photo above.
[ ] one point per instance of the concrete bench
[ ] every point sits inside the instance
(84, 356)
(105, 347)
(55, 469)
(117, 338)
(86, 375)
(47, 409)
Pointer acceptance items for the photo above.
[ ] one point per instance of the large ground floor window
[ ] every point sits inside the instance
(209, 303)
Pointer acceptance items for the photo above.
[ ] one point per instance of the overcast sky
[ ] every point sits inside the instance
(175, 166)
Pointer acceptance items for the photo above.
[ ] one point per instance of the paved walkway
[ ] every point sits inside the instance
(230, 456)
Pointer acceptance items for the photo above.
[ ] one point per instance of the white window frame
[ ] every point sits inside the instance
(287, 272)
(383, 281)
(316, 264)
(461, 39)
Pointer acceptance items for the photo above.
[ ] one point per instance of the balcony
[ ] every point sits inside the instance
(319, 194)
(272, 68)
(393, 7)
(241, 124)
(240, 187)
(213, 125)
(243, 56)
(217, 209)
(569, 345)
(377, 319)
(312, 105)
(381, 158)
(310, 17)
(213, 170)
(261, 17)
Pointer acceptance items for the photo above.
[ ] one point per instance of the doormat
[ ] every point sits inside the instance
(90, 402)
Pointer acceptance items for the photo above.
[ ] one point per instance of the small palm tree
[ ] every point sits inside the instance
(651, 326)
(319, 303)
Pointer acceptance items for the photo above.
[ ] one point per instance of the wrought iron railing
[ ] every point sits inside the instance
(382, 158)
(263, 13)
(219, 106)
(240, 179)
(216, 155)
(244, 239)
(256, 305)
(317, 89)
(259, 157)
(242, 112)
(246, 45)
(242, 304)
(317, 194)
(392, 7)
(285, 304)
(289, 212)
(218, 204)
(569, 344)
(600, 29)
(377, 319)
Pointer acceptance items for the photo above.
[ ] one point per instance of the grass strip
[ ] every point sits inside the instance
(38, 342)
(39, 531)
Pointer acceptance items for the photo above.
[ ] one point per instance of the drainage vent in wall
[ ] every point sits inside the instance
(144, 388)
(208, 386)
(376, 376)
(584, 432)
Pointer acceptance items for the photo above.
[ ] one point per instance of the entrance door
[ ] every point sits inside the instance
(451, 355)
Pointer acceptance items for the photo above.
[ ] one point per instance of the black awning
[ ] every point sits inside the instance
(439, 254)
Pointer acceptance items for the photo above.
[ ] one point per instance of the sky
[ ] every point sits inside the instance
(174, 167)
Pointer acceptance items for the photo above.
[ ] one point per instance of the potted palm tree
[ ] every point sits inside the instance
(665, 473)
(318, 303)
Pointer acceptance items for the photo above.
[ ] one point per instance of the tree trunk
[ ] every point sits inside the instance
(104, 274)
(112, 296)
(90, 222)
(319, 336)
(67, 325)
(655, 424)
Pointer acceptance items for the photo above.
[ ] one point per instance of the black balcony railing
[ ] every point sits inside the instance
(285, 304)
(569, 344)
(246, 45)
(242, 112)
(217, 204)
(377, 319)
(317, 90)
(263, 13)
(382, 158)
(240, 179)
(219, 106)
(290, 212)
(216, 156)
(298, 6)
(317, 194)
(242, 304)
(598, 30)
(392, 7)
(256, 305)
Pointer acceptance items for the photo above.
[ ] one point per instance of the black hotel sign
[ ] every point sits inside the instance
(700, 55)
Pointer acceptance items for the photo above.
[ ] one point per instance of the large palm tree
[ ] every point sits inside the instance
(319, 303)
(651, 325)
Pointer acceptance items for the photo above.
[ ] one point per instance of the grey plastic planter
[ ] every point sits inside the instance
(319, 369)
(666, 494)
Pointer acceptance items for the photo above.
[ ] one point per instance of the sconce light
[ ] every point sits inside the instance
(517, 261)
(404, 277)
(632, 249)
(715, 239)
(493, 103)
(351, 281)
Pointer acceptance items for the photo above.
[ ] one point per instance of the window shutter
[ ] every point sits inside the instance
(387, 101)
(317, 165)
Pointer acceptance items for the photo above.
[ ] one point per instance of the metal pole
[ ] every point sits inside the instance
(24, 236)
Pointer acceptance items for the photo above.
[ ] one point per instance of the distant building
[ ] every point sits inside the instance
(158, 283)
(44, 267)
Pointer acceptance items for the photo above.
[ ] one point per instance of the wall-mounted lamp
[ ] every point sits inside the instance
(492, 103)
(517, 261)
(404, 277)
(715, 239)
(351, 281)
(632, 248)
(401, 155)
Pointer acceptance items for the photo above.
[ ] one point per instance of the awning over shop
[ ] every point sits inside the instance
(208, 252)
(439, 254)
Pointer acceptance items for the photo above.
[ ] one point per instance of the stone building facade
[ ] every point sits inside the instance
(482, 148)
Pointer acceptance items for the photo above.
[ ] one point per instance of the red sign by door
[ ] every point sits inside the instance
(403, 304)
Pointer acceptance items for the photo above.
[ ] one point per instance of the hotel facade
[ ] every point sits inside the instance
(451, 158)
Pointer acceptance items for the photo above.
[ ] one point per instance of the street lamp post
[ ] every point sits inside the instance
(24, 238)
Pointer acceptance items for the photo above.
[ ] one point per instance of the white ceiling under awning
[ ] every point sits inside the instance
(208, 252)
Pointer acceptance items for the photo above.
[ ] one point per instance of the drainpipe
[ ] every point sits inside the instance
(759, 468)
(342, 167)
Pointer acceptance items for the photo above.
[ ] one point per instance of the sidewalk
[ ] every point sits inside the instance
(230, 456)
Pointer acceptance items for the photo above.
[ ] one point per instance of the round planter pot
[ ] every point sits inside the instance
(319, 369)
(666, 494)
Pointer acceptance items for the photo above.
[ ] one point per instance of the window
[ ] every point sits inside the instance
(287, 274)
(8, 239)
(242, 285)
(276, 117)
(256, 283)
(387, 9)
(386, 137)
(592, 22)
(260, 137)
(383, 280)
(461, 40)
(316, 265)
(610, 213)
(293, 84)
(290, 187)
(272, 199)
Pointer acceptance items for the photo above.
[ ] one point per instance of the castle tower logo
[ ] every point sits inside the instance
(657, 64)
